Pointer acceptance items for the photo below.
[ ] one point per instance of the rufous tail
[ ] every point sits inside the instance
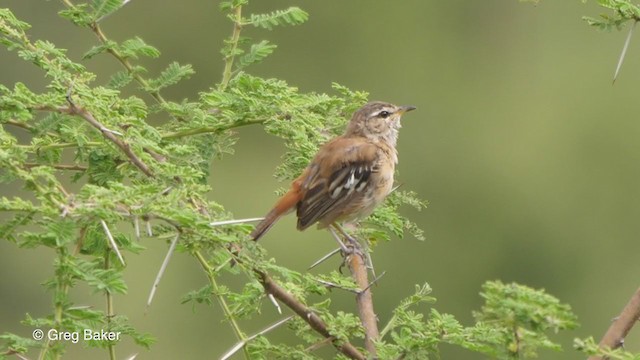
(286, 203)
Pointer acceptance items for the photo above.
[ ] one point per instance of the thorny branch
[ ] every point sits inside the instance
(76, 110)
(620, 327)
(364, 301)
(306, 314)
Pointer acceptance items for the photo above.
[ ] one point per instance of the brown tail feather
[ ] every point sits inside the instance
(286, 203)
(265, 224)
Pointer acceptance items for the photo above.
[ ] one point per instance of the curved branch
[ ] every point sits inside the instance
(620, 327)
(109, 134)
(306, 314)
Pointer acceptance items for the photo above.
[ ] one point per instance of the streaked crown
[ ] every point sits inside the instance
(378, 121)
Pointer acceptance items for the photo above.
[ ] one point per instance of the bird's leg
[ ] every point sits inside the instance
(332, 229)
(368, 259)
(347, 250)
(346, 235)
(354, 246)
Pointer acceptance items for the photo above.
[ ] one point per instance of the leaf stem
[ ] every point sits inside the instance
(235, 38)
(223, 303)
(210, 129)
(110, 311)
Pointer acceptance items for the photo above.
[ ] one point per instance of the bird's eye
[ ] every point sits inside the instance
(384, 114)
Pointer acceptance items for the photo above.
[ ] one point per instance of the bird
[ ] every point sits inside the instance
(349, 176)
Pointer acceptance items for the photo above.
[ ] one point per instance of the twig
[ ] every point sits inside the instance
(163, 267)
(123, 60)
(110, 312)
(58, 166)
(223, 303)
(235, 38)
(112, 242)
(241, 344)
(20, 125)
(620, 327)
(73, 109)
(319, 344)
(306, 314)
(213, 129)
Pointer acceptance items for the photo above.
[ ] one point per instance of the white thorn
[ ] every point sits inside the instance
(275, 303)
(241, 344)
(136, 226)
(235, 221)
(624, 50)
(163, 267)
(114, 246)
(149, 231)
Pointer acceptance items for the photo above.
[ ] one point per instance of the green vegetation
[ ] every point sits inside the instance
(143, 161)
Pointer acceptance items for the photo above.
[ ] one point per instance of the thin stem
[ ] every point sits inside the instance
(20, 125)
(97, 30)
(235, 38)
(223, 303)
(58, 166)
(110, 311)
(211, 129)
(59, 146)
(73, 109)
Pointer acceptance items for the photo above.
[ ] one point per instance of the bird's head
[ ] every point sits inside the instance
(378, 121)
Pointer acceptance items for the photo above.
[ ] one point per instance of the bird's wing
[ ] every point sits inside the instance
(338, 174)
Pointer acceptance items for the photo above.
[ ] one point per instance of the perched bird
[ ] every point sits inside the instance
(349, 176)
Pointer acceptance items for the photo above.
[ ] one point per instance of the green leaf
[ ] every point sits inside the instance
(99, 49)
(290, 16)
(256, 53)
(173, 74)
(133, 48)
(102, 8)
(120, 79)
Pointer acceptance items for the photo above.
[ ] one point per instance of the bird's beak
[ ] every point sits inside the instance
(404, 109)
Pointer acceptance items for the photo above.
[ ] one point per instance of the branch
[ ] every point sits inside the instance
(123, 60)
(87, 116)
(306, 314)
(57, 166)
(365, 302)
(211, 129)
(620, 327)
(242, 338)
(20, 125)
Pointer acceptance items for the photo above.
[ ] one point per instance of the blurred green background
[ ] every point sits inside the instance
(526, 152)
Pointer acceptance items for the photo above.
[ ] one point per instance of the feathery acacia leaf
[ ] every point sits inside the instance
(290, 16)
(103, 8)
(170, 76)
